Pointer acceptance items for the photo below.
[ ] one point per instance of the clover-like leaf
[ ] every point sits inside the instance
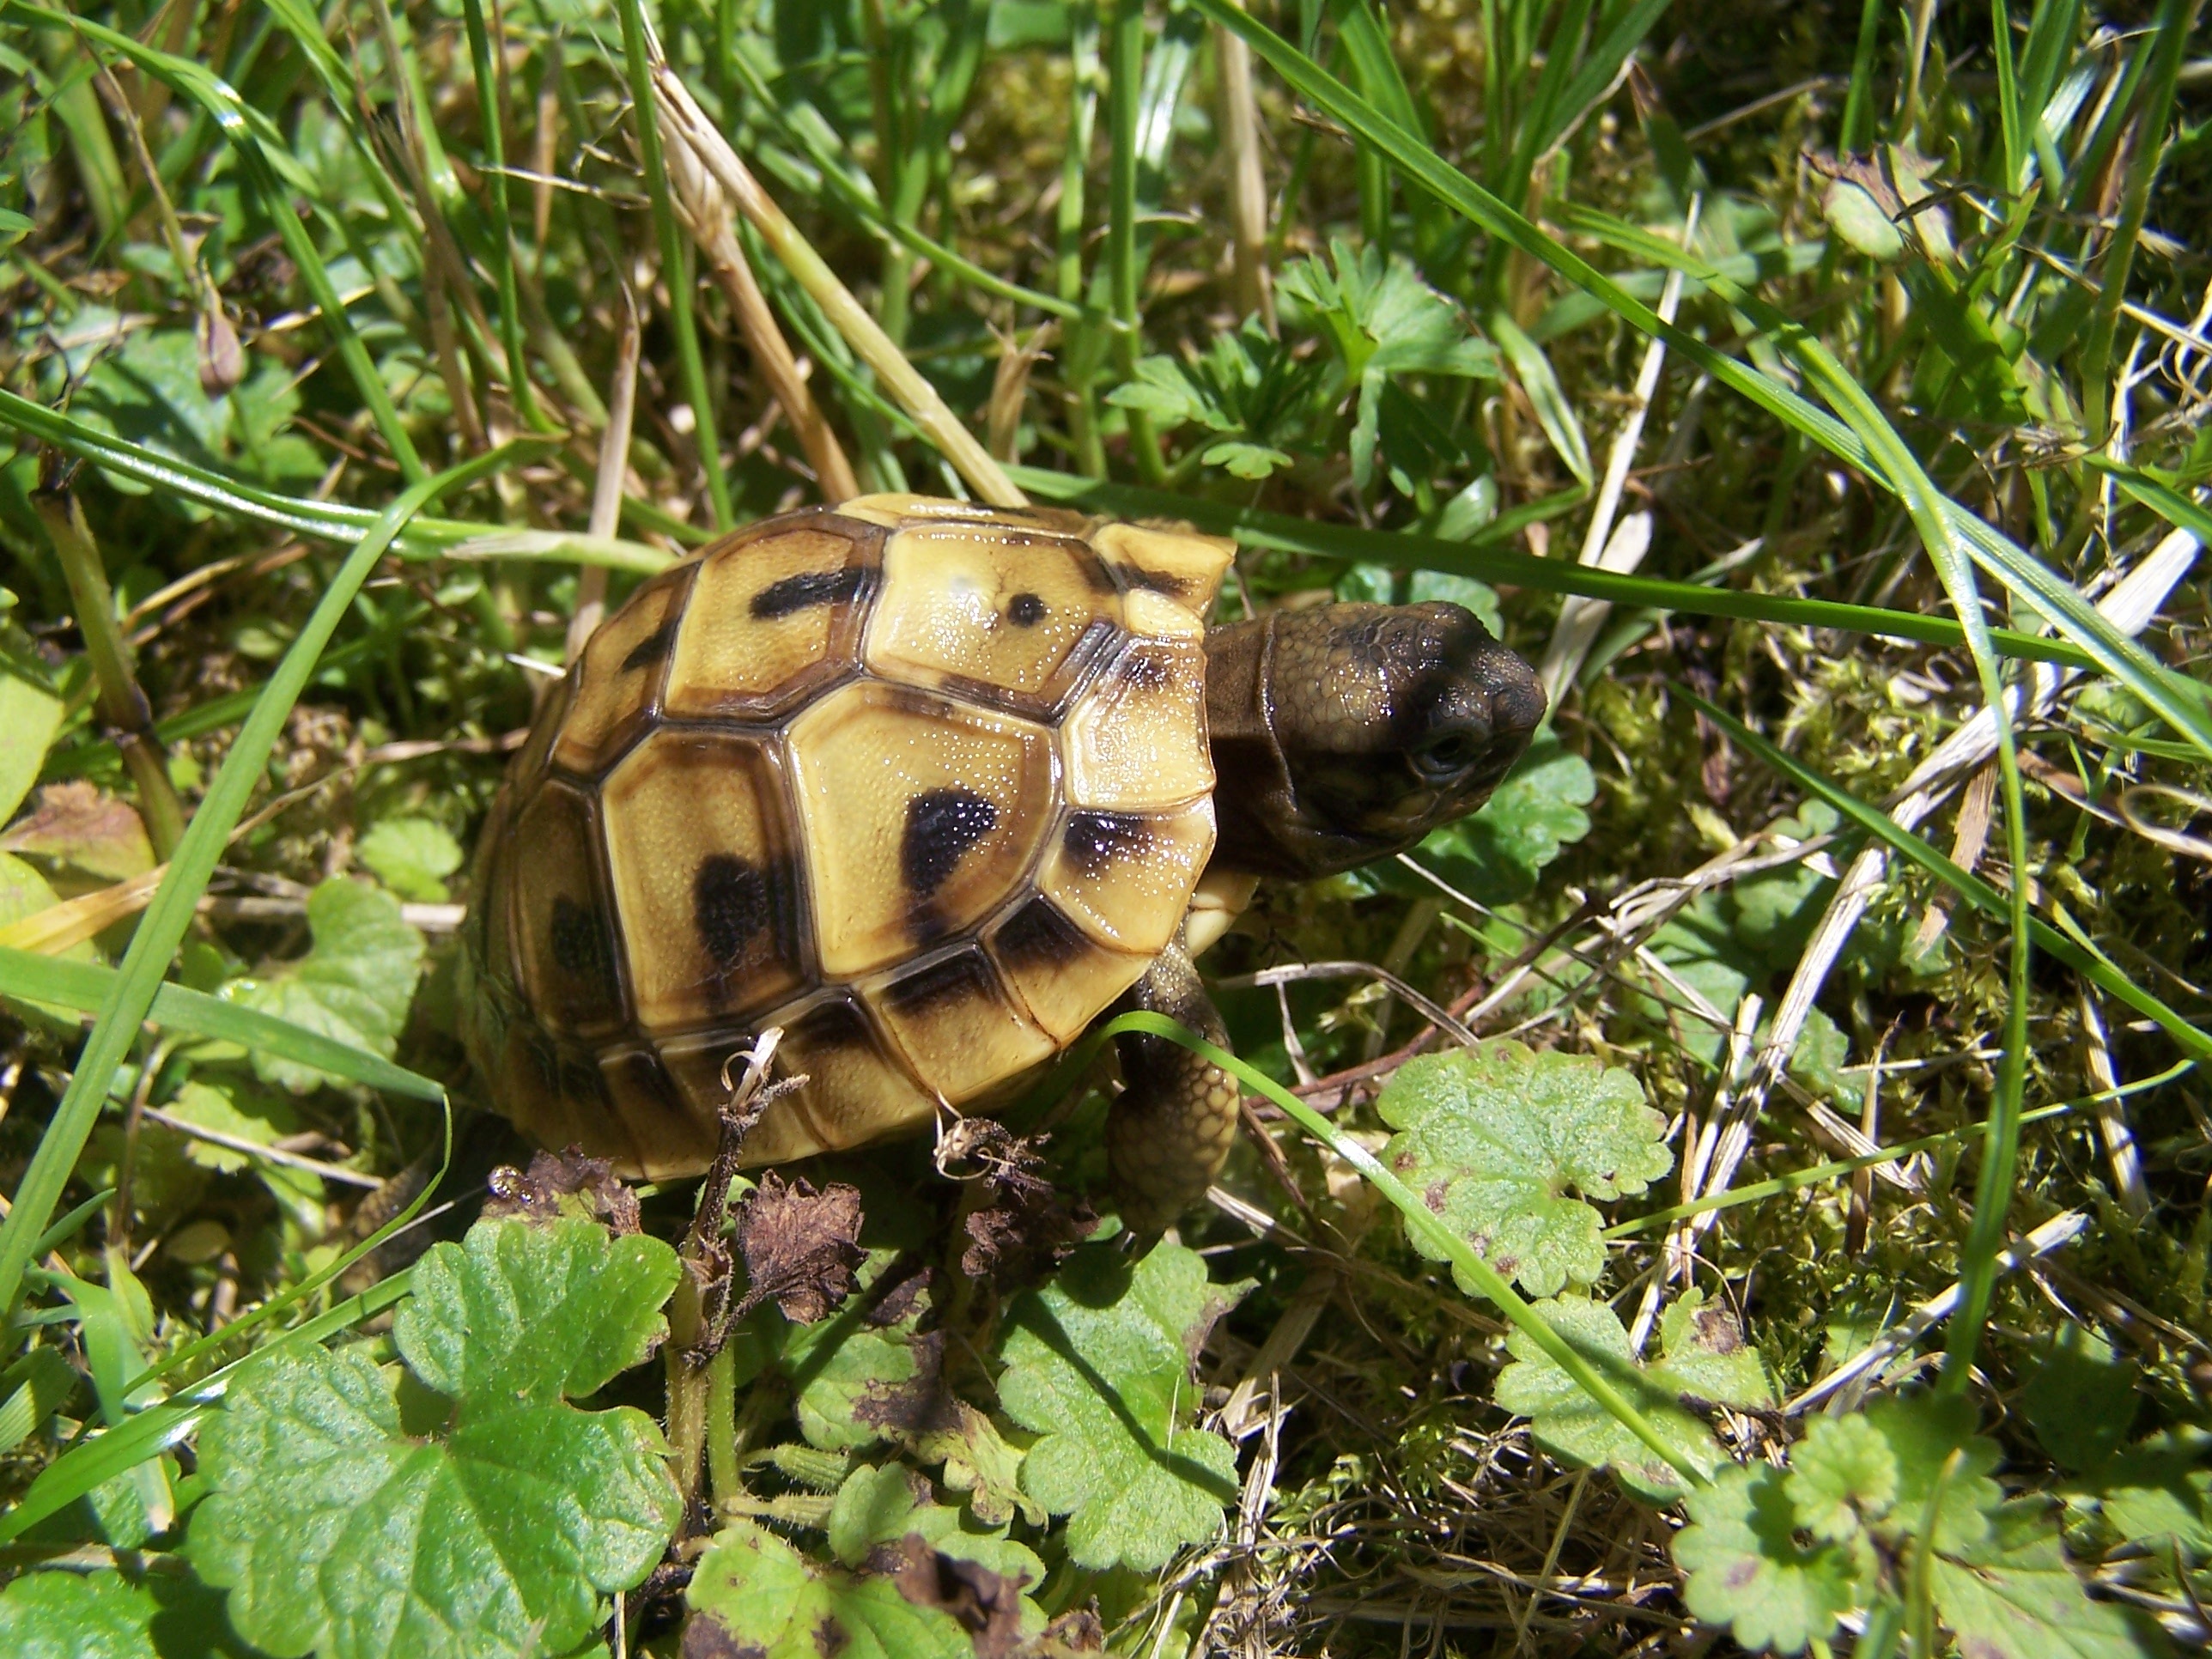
(754, 1595)
(1574, 1428)
(536, 1313)
(2158, 1492)
(2082, 1401)
(105, 1615)
(1842, 1476)
(1499, 1139)
(877, 1507)
(979, 1461)
(411, 856)
(1747, 1570)
(354, 985)
(1497, 855)
(2014, 1595)
(1099, 1363)
(1935, 1445)
(358, 1515)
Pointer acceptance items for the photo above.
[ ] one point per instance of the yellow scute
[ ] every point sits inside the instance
(699, 846)
(768, 619)
(1003, 608)
(1137, 738)
(920, 815)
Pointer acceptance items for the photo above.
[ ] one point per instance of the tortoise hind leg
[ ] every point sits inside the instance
(1169, 1130)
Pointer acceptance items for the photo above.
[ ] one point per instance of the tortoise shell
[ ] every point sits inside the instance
(925, 785)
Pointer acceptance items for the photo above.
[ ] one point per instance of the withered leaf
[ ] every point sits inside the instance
(800, 1248)
(78, 827)
(1027, 1228)
(567, 1183)
(987, 1605)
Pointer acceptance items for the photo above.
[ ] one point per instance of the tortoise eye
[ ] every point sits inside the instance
(1450, 754)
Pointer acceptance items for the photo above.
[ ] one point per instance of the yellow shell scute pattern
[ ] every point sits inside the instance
(924, 785)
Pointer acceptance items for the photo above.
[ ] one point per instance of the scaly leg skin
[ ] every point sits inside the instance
(1168, 1132)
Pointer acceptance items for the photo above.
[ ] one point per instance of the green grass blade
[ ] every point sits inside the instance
(1553, 412)
(1482, 557)
(1864, 442)
(1599, 67)
(645, 111)
(1536, 117)
(2169, 42)
(86, 986)
(1858, 102)
(2013, 128)
(1125, 64)
(85, 1468)
(492, 107)
(161, 928)
(2178, 700)
(1420, 1219)
(270, 169)
(832, 176)
(2091, 964)
(2162, 498)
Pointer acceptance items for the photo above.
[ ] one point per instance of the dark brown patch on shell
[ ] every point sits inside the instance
(1038, 935)
(651, 648)
(941, 826)
(811, 588)
(730, 904)
(1094, 839)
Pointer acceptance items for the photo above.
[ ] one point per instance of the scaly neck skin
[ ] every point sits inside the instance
(1343, 733)
(1252, 781)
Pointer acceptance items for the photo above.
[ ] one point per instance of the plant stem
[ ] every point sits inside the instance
(123, 705)
(2176, 18)
(675, 269)
(847, 315)
(1125, 85)
(493, 109)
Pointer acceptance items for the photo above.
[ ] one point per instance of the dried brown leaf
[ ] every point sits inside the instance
(800, 1247)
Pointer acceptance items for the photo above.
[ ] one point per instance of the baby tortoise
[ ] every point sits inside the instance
(932, 787)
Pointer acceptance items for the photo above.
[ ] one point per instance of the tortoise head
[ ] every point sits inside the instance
(1347, 732)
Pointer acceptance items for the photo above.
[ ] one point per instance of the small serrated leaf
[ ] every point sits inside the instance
(1497, 855)
(487, 1522)
(753, 1594)
(1496, 1140)
(354, 985)
(1705, 1349)
(105, 1615)
(411, 856)
(1574, 1428)
(1926, 1433)
(2082, 1401)
(2015, 1596)
(880, 1507)
(1747, 1570)
(539, 1313)
(1842, 1476)
(1099, 1363)
(979, 1461)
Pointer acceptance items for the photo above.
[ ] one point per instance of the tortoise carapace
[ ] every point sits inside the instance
(932, 787)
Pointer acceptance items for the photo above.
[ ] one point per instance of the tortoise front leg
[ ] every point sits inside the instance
(1168, 1132)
